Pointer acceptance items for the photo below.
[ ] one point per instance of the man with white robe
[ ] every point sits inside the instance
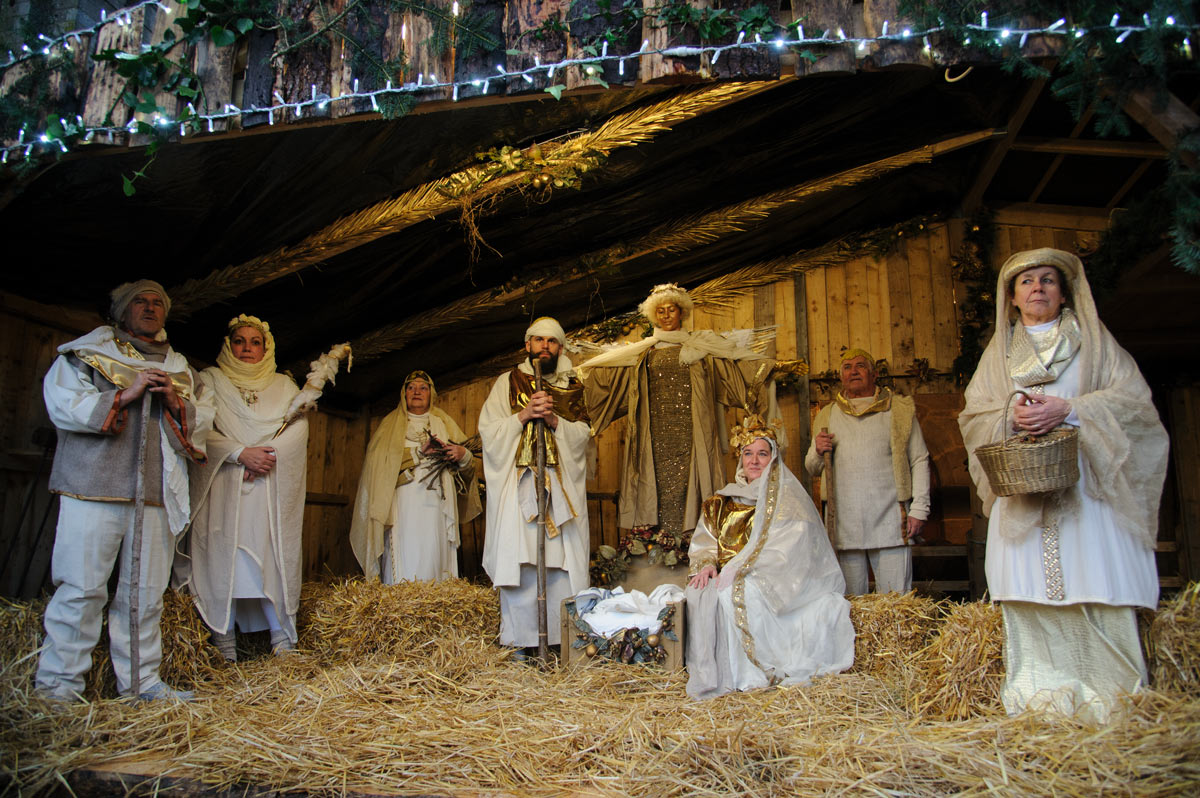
(94, 394)
(881, 467)
(506, 427)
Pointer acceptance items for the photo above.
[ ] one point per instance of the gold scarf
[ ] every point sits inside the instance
(1035, 358)
(568, 404)
(883, 401)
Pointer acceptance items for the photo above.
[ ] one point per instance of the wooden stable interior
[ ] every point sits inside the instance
(257, 191)
(902, 307)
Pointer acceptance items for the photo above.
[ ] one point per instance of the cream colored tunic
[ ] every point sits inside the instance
(868, 511)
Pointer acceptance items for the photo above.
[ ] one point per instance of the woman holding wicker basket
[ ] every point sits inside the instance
(1069, 563)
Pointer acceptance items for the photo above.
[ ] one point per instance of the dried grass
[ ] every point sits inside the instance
(405, 701)
(890, 628)
(959, 674)
(1173, 643)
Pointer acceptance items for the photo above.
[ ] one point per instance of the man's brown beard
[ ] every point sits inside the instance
(548, 366)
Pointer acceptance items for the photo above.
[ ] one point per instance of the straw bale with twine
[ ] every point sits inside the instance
(393, 690)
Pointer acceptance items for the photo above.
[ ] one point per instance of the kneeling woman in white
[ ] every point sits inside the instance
(765, 603)
(243, 552)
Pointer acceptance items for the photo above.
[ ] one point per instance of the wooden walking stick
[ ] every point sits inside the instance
(830, 500)
(135, 556)
(539, 483)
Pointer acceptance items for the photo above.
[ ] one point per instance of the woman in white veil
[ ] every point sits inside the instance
(765, 594)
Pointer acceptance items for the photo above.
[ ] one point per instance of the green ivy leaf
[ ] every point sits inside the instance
(556, 91)
(147, 106)
(245, 24)
(184, 91)
(127, 186)
(123, 56)
(222, 37)
(129, 98)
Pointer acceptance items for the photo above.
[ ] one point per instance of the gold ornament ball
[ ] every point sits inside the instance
(591, 650)
(652, 641)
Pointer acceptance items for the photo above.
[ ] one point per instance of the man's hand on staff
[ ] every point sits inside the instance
(154, 381)
(258, 460)
(825, 442)
(541, 405)
(914, 527)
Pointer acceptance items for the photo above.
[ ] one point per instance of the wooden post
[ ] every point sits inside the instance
(135, 558)
(539, 484)
(828, 489)
(804, 428)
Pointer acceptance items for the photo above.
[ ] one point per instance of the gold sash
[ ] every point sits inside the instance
(568, 405)
(122, 375)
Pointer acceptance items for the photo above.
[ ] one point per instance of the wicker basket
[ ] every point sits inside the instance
(1022, 464)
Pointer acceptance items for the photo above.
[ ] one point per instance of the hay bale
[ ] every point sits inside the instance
(189, 658)
(959, 674)
(401, 621)
(1173, 643)
(889, 629)
(449, 713)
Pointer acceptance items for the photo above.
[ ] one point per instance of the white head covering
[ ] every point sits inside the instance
(547, 328)
(123, 294)
(668, 292)
(248, 376)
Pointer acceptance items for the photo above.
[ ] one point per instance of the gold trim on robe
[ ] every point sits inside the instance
(568, 405)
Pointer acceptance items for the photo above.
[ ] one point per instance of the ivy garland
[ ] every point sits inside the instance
(629, 646)
(159, 68)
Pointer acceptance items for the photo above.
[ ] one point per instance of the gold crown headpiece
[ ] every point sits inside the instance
(752, 428)
(243, 320)
(667, 292)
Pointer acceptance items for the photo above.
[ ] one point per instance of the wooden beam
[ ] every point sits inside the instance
(1068, 217)
(1128, 185)
(1167, 123)
(1104, 149)
(995, 156)
(1052, 169)
(429, 200)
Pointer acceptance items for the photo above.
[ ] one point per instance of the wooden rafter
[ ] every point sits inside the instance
(1052, 169)
(1102, 149)
(677, 236)
(1165, 121)
(995, 156)
(446, 194)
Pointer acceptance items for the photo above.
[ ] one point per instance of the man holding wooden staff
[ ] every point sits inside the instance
(130, 413)
(507, 428)
(881, 466)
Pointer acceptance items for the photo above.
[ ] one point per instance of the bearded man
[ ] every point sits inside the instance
(90, 391)
(506, 427)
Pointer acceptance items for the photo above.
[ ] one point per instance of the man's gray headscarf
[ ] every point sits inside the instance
(123, 294)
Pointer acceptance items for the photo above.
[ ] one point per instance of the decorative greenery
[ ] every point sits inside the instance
(1098, 68)
(629, 646)
(158, 81)
(970, 266)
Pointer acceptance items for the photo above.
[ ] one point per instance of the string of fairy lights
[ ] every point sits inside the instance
(592, 66)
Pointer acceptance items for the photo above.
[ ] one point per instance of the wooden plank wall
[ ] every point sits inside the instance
(30, 334)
